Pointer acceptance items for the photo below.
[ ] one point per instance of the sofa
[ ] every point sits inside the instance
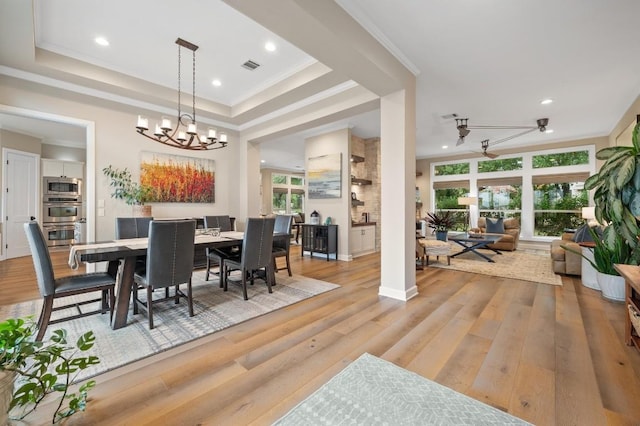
(564, 261)
(509, 241)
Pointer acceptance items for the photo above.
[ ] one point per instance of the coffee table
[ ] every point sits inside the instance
(473, 242)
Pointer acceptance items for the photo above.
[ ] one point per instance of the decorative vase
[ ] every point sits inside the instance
(441, 235)
(612, 286)
(6, 394)
(141, 211)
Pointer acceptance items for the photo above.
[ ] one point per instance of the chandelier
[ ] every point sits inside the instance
(185, 135)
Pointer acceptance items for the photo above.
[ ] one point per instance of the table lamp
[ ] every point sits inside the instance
(467, 201)
(589, 214)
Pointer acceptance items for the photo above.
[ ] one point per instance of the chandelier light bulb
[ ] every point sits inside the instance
(158, 131)
(192, 129)
(143, 123)
(166, 124)
(223, 137)
(182, 136)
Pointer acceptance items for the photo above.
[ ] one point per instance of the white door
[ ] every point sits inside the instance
(21, 199)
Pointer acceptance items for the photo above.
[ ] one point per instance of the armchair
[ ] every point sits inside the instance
(564, 261)
(511, 236)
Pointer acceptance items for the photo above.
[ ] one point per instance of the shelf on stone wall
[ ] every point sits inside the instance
(355, 203)
(356, 159)
(356, 181)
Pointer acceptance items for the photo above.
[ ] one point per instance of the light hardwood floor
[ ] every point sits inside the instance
(549, 355)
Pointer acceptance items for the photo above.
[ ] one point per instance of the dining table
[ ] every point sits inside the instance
(121, 256)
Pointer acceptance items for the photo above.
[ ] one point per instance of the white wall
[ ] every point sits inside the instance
(118, 144)
(338, 208)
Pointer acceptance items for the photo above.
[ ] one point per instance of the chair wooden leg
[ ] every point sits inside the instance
(135, 298)
(288, 264)
(269, 276)
(45, 316)
(150, 307)
(244, 285)
(112, 302)
(206, 278)
(177, 296)
(190, 298)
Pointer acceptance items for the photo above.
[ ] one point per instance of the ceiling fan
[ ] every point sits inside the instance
(485, 146)
(464, 129)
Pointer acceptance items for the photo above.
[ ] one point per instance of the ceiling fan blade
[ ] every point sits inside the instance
(490, 155)
(460, 141)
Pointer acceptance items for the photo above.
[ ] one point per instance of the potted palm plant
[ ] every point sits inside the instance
(440, 221)
(124, 188)
(31, 370)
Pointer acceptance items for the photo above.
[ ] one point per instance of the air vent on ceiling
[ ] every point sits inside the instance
(250, 65)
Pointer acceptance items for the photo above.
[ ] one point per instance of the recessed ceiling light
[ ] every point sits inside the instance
(216, 83)
(270, 47)
(549, 131)
(546, 101)
(101, 41)
(262, 161)
(445, 146)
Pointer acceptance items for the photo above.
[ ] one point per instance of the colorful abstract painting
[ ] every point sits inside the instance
(325, 174)
(176, 179)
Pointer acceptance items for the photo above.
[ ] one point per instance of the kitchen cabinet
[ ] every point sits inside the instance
(362, 239)
(72, 169)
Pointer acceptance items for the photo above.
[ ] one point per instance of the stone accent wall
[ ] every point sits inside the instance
(369, 169)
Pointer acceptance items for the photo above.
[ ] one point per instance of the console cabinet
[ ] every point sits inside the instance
(631, 274)
(320, 239)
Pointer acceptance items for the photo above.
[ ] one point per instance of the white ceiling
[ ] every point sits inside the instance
(492, 61)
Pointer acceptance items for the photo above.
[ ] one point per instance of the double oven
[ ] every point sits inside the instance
(61, 209)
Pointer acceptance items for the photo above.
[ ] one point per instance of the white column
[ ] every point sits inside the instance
(398, 181)
(245, 178)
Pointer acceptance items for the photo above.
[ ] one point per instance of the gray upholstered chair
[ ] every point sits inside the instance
(255, 254)
(215, 256)
(169, 263)
(132, 227)
(52, 288)
(281, 246)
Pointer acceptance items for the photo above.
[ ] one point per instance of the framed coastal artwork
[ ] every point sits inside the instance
(177, 179)
(325, 176)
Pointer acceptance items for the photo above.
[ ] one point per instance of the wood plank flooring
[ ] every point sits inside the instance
(549, 355)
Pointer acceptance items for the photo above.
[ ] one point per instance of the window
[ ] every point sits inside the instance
(561, 159)
(544, 189)
(558, 202)
(500, 197)
(451, 169)
(446, 198)
(287, 194)
(500, 165)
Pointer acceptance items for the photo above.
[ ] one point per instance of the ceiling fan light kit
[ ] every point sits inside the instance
(185, 135)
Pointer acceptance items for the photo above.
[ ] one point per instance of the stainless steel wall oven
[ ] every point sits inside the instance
(61, 209)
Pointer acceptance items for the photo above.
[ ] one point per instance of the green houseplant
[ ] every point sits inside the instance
(440, 221)
(124, 188)
(41, 368)
(617, 195)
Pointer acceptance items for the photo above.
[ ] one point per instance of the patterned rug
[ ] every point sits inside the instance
(518, 264)
(214, 310)
(371, 391)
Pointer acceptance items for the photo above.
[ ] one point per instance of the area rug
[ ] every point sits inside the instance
(372, 391)
(518, 264)
(214, 310)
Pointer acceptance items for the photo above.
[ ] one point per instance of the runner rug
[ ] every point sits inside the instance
(214, 310)
(371, 391)
(518, 265)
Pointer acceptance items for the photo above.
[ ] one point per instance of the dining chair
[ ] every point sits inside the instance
(215, 255)
(52, 288)
(169, 264)
(255, 255)
(132, 227)
(281, 245)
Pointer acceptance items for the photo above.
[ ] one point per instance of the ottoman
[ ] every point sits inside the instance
(435, 248)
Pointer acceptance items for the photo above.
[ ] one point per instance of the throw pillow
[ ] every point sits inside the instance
(495, 226)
